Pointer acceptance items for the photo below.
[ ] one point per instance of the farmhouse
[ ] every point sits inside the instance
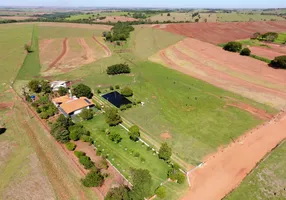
(72, 106)
(55, 85)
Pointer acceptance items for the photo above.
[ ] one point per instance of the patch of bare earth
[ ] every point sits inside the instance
(166, 136)
(265, 52)
(33, 186)
(219, 32)
(240, 74)
(224, 170)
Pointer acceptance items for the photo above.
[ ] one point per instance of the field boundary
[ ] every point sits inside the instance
(105, 48)
(62, 55)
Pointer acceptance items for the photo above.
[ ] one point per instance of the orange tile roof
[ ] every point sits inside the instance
(76, 104)
(62, 99)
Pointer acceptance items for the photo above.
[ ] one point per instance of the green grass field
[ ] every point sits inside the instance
(96, 14)
(122, 155)
(231, 17)
(281, 38)
(267, 181)
(31, 66)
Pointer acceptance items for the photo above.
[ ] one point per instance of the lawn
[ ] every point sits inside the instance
(122, 155)
(31, 66)
(281, 38)
(267, 181)
(12, 40)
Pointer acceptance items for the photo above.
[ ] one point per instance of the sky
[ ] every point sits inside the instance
(151, 3)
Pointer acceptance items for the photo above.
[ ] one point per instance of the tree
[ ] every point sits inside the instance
(256, 35)
(62, 91)
(169, 14)
(60, 133)
(93, 179)
(174, 173)
(70, 146)
(127, 92)
(245, 52)
(233, 46)
(118, 193)
(76, 131)
(82, 90)
(115, 137)
(112, 117)
(45, 87)
(118, 69)
(279, 62)
(86, 114)
(196, 20)
(134, 133)
(165, 151)
(34, 85)
(142, 184)
(86, 162)
(161, 192)
(28, 48)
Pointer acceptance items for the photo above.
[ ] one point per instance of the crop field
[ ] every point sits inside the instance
(267, 181)
(242, 75)
(217, 33)
(96, 14)
(241, 17)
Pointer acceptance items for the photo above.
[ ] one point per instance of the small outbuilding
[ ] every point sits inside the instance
(55, 85)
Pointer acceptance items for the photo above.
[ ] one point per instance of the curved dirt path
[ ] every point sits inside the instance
(88, 53)
(106, 49)
(61, 56)
(224, 170)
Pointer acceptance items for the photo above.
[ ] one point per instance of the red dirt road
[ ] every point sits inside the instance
(265, 52)
(224, 170)
(106, 49)
(217, 33)
(63, 53)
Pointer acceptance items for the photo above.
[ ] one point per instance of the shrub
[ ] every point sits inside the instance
(118, 69)
(123, 107)
(82, 90)
(137, 154)
(175, 174)
(233, 46)
(118, 193)
(112, 117)
(270, 36)
(62, 91)
(161, 192)
(93, 179)
(76, 131)
(79, 153)
(86, 114)
(165, 151)
(115, 137)
(245, 52)
(117, 87)
(104, 164)
(279, 62)
(85, 138)
(34, 85)
(127, 92)
(98, 91)
(44, 115)
(70, 146)
(134, 133)
(86, 162)
(111, 87)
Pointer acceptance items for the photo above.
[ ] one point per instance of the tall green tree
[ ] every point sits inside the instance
(165, 151)
(82, 90)
(34, 85)
(112, 117)
(134, 133)
(142, 184)
(118, 193)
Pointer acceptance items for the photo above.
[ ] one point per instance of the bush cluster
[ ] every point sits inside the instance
(245, 52)
(79, 153)
(118, 69)
(93, 179)
(115, 137)
(161, 192)
(86, 162)
(77, 131)
(120, 32)
(112, 117)
(134, 133)
(127, 92)
(175, 174)
(233, 46)
(70, 146)
(279, 62)
(60, 129)
(86, 114)
(125, 106)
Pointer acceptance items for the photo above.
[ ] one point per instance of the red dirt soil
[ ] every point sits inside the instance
(247, 76)
(217, 33)
(106, 49)
(88, 54)
(60, 57)
(224, 170)
(4, 105)
(265, 52)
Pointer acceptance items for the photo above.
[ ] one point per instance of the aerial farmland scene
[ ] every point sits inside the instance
(147, 100)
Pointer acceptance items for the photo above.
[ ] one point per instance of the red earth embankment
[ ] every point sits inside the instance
(217, 33)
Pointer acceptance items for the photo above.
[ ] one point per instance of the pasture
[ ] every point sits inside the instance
(267, 181)
(244, 17)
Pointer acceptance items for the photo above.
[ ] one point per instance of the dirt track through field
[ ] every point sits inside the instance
(217, 33)
(88, 54)
(224, 170)
(61, 56)
(244, 75)
(106, 49)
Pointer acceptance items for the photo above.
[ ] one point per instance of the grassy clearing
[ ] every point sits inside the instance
(31, 66)
(267, 181)
(239, 17)
(47, 32)
(12, 54)
(268, 61)
(96, 14)
(281, 38)
(122, 155)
